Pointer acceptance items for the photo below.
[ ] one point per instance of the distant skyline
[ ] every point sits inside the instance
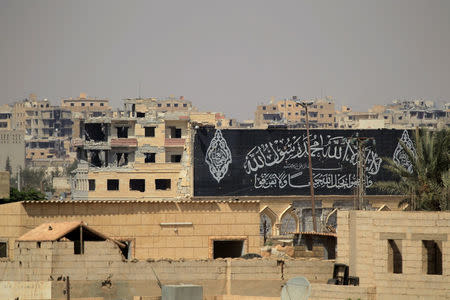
(226, 56)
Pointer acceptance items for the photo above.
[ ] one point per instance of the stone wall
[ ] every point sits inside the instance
(363, 244)
(103, 272)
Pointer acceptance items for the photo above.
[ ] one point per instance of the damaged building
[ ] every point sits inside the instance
(143, 152)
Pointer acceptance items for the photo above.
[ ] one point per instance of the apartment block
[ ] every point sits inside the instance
(5, 117)
(397, 115)
(85, 107)
(289, 112)
(141, 152)
(12, 145)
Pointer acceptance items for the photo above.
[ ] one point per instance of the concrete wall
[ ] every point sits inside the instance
(102, 272)
(141, 223)
(27, 290)
(363, 245)
(4, 184)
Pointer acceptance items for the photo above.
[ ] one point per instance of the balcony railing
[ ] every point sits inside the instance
(124, 142)
(174, 142)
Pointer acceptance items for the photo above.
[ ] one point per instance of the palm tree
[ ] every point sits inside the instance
(426, 185)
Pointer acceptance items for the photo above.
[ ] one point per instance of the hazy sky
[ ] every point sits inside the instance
(226, 55)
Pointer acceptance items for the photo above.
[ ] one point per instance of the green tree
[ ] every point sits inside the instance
(426, 187)
(28, 194)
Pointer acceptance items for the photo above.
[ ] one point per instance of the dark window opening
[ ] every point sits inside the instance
(91, 184)
(184, 105)
(112, 184)
(149, 131)
(175, 133)
(223, 249)
(137, 185)
(176, 158)
(83, 104)
(395, 261)
(140, 115)
(162, 184)
(432, 257)
(3, 249)
(95, 159)
(150, 157)
(309, 243)
(72, 104)
(101, 104)
(122, 159)
(168, 104)
(38, 244)
(175, 104)
(126, 251)
(122, 132)
(95, 132)
(159, 104)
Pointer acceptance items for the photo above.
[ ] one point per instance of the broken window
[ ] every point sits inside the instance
(140, 115)
(122, 132)
(149, 131)
(95, 132)
(126, 251)
(91, 184)
(95, 158)
(395, 261)
(150, 157)
(432, 257)
(3, 249)
(233, 248)
(162, 184)
(175, 133)
(122, 159)
(137, 185)
(112, 184)
(175, 158)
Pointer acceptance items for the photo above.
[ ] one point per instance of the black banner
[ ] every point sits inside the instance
(275, 161)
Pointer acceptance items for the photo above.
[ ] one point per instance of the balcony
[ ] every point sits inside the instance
(124, 142)
(174, 142)
(77, 142)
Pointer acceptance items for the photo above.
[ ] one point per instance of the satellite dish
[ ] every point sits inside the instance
(297, 288)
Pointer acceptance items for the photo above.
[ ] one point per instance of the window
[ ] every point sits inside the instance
(102, 104)
(175, 133)
(137, 185)
(289, 114)
(282, 105)
(329, 115)
(175, 158)
(229, 248)
(83, 104)
(321, 106)
(290, 105)
(72, 104)
(112, 184)
(159, 105)
(395, 262)
(140, 115)
(432, 257)
(122, 132)
(92, 184)
(168, 104)
(149, 131)
(150, 157)
(264, 108)
(91, 104)
(296, 113)
(321, 115)
(175, 104)
(274, 108)
(3, 249)
(162, 184)
(184, 105)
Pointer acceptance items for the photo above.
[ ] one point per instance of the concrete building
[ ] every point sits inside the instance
(143, 152)
(5, 117)
(12, 146)
(85, 107)
(397, 115)
(289, 112)
(51, 254)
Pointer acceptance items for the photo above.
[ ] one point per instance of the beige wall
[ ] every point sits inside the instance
(4, 184)
(12, 145)
(141, 222)
(363, 245)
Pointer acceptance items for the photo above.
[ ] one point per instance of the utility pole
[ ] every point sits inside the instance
(361, 143)
(311, 182)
